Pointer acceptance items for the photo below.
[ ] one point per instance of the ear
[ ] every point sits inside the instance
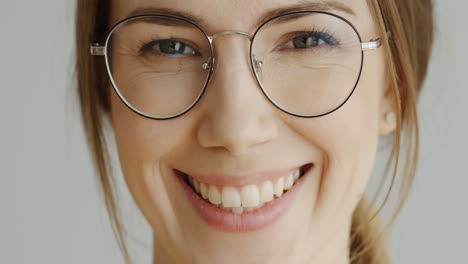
(388, 105)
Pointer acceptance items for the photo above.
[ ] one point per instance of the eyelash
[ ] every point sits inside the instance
(312, 32)
(146, 46)
(143, 47)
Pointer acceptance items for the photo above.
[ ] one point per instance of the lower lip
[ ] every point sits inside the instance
(246, 222)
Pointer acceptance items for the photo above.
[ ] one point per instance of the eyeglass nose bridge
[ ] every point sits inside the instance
(229, 32)
(257, 63)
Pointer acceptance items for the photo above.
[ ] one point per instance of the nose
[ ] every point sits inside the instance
(236, 116)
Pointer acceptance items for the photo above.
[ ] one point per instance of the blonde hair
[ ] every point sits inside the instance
(407, 48)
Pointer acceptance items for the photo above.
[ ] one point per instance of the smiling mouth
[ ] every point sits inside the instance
(247, 198)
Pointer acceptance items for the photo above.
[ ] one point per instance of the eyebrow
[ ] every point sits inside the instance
(322, 6)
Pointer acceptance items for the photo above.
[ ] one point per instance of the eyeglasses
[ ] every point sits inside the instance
(307, 63)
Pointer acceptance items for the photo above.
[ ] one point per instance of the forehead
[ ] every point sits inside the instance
(245, 15)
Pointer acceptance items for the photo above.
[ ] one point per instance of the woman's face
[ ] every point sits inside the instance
(238, 142)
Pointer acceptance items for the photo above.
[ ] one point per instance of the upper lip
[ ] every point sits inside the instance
(222, 179)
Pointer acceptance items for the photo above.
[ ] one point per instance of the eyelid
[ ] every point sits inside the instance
(289, 36)
(188, 43)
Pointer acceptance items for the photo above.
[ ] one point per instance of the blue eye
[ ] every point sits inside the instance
(311, 40)
(168, 48)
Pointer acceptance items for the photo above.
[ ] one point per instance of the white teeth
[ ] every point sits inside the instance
(249, 209)
(279, 187)
(296, 175)
(266, 193)
(250, 196)
(196, 185)
(213, 195)
(204, 190)
(231, 197)
(237, 210)
(260, 205)
(288, 182)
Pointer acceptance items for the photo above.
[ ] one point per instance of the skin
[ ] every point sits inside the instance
(234, 129)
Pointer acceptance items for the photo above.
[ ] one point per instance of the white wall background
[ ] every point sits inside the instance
(51, 211)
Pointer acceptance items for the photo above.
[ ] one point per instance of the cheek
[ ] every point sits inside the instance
(350, 148)
(140, 137)
(347, 140)
(143, 142)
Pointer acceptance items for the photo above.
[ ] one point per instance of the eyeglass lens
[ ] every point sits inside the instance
(307, 63)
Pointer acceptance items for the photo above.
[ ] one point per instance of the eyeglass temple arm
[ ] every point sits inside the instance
(373, 44)
(97, 50)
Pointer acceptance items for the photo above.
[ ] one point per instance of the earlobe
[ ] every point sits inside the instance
(388, 124)
(388, 113)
